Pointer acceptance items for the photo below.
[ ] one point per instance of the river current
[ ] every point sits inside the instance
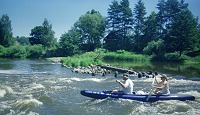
(38, 87)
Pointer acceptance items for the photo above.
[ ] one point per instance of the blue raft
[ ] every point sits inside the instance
(142, 97)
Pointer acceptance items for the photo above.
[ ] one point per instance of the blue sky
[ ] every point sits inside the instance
(62, 14)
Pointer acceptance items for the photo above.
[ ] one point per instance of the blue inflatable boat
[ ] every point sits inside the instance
(142, 97)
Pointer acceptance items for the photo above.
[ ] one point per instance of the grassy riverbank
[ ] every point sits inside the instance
(101, 56)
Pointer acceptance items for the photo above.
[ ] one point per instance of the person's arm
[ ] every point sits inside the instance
(123, 85)
(156, 80)
(162, 86)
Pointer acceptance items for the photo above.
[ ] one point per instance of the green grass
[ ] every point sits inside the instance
(101, 55)
(126, 56)
(84, 60)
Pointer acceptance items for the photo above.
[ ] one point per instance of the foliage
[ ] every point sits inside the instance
(2, 50)
(183, 33)
(91, 27)
(22, 40)
(6, 37)
(154, 47)
(36, 51)
(150, 30)
(15, 52)
(70, 42)
(119, 25)
(84, 60)
(175, 57)
(139, 19)
(43, 35)
(162, 35)
(25, 51)
(125, 56)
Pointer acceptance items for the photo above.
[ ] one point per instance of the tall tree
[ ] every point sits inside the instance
(113, 19)
(150, 29)
(70, 42)
(126, 17)
(161, 18)
(183, 34)
(43, 35)
(126, 24)
(92, 27)
(6, 37)
(48, 39)
(139, 21)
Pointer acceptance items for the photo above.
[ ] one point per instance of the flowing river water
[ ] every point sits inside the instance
(38, 87)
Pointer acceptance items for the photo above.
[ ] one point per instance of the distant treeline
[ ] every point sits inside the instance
(171, 33)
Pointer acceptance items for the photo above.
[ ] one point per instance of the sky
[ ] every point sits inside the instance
(62, 14)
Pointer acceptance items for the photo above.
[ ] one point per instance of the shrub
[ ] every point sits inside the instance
(15, 52)
(175, 57)
(35, 51)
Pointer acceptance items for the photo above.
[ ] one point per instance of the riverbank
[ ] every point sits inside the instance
(122, 59)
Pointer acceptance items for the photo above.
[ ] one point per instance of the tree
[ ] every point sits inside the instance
(126, 24)
(139, 19)
(22, 40)
(70, 42)
(161, 18)
(43, 35)
(126, 17)
(183, 34)
(113, 18)
(150, 30)
(120, 22)
(6, 37)
(91, 27)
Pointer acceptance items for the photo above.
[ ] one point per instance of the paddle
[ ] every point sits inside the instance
(151, 91)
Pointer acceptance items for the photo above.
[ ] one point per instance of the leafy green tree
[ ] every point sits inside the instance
(70, 42)
(113, 19)
(119, 22)
(48, 38)
(150, 30)
(139, 23)
(35, 51)
(126, 17)
(183, 34)
(43, 35)
(155, 48)
(22, 40)
(126, 24)
(6, 37)
(91, 27)
(161, 18)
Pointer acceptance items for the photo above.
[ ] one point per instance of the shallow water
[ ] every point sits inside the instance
(38, 87)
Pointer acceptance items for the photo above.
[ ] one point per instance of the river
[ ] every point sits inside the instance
(39, 87)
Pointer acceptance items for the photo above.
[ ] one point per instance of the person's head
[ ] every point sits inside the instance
(156, 73)
(164, 77)
(125, 76)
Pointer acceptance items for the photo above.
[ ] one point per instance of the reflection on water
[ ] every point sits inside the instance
(38, 87)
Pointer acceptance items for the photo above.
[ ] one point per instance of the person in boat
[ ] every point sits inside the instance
(162, 88)
(127, 86)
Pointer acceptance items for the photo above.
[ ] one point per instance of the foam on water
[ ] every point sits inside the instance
(6, 90)
(37, 86)
(81, 79)
(92, 79)
(2, 93)
(27, 103)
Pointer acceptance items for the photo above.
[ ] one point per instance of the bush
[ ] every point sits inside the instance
(125, 56)
(15, 52)
(84, 60)
(175, 57)
(2, 50)
(35, 51)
